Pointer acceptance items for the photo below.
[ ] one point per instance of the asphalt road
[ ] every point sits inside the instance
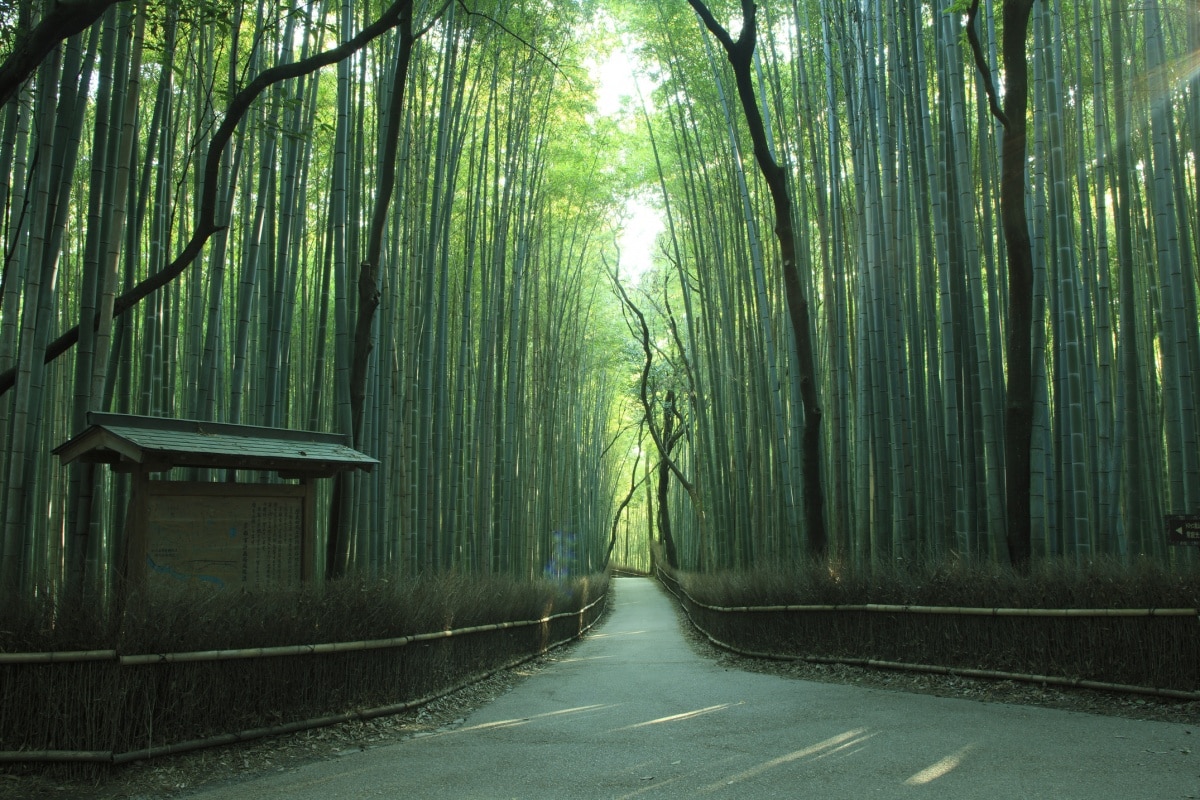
(633, 712)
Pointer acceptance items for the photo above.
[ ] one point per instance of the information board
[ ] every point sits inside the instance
(225, 535)
(1183, 529)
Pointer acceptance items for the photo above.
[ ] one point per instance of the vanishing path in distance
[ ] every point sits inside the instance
(633, 712)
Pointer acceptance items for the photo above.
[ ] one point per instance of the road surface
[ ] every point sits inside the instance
(634, 712)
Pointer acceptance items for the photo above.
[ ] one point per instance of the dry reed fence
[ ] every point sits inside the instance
(1152, 651)
(102, 707)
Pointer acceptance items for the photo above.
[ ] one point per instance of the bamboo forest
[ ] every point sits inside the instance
(870, 281)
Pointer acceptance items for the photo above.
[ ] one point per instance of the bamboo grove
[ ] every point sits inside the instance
(881, 114)
(398, 223)
(399, 245)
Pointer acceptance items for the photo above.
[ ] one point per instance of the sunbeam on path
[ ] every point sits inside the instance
(834, 744)
(512, 723)
(941, 768)
(684, 715)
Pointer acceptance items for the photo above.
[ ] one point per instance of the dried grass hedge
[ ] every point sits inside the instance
(100, 708)
(1161, 652)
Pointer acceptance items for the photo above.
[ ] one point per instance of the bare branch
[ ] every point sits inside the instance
(516, 36)
(664, 446)
(634, 483)
(982, 65)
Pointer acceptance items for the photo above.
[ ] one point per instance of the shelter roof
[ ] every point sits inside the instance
(158, 444)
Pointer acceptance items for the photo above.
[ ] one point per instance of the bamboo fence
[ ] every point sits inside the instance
(124, 687)
(1156, 651)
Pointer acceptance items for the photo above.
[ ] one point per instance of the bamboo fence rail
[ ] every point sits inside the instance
(62, 657)
(961, 611)
(271, 652)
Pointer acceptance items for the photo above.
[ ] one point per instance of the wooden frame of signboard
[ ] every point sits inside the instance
(223, 534)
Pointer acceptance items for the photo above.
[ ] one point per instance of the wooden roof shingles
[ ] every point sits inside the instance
(157, 444)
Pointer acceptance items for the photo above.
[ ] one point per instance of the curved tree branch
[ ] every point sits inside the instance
(368, 277)
(660, 440)
(982, 65)
(206, 222)
(634, 483)
(61, 22)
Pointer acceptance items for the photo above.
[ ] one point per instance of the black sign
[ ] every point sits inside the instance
(1183, 528)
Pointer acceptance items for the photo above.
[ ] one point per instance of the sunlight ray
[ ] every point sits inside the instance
(820, 749)
(512, 723)
(940, 768)
(680, 717)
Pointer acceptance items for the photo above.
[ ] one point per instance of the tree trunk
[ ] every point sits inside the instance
(1019, 400)
(664, 482)
(740, 55)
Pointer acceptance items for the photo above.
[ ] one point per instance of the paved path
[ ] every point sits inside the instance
(633, 712)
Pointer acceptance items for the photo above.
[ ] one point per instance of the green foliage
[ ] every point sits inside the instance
(10, 27)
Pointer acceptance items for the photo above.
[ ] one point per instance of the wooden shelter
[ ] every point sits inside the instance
(227, 534)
